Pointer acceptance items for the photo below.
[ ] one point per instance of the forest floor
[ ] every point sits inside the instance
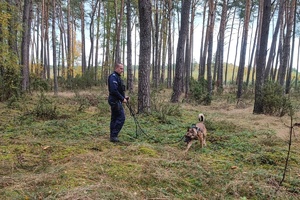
(69, 156)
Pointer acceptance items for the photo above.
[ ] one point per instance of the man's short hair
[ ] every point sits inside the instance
(117, 65)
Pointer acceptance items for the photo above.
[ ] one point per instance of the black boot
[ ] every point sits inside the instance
(114, 139)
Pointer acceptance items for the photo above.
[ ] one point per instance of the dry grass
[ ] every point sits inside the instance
(71, 158)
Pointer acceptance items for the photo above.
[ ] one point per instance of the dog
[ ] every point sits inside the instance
(196, 132)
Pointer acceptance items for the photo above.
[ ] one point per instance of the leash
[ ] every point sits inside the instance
(137, 126)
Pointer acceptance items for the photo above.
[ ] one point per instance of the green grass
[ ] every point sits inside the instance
(70, 157)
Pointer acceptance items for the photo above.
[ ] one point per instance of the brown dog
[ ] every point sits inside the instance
(196, 132)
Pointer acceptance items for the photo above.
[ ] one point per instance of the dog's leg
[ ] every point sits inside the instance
(200, 138)
(188, 146)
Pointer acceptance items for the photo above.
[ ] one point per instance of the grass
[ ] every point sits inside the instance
(70, 157)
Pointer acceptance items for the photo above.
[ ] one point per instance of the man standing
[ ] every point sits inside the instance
(115, 99)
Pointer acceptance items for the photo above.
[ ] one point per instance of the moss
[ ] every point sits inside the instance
(147, 151)
(123, 171)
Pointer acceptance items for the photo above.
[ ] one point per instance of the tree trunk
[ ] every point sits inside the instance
(286, 45)
(69, 75)
(240, 76)
(185, 12)
(164, 31)
(83, 56)
(212, 11)
(252, 57)
(129, 49)
(219, 65)
(92, 36)
(187, 64)
(236, 50)
(229, 44)
(170, 52)
(274, 41)
(25, 44)
(54, 48)
(205, 46)
(97, 42)
(261, 61)
(201, 70)
(145, 54)
(118, 30)
(62, 39)
(289, 75)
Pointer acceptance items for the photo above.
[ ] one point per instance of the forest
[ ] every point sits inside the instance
(57, 42)
(236, 61)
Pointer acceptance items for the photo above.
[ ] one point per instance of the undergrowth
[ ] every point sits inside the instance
(70, 157)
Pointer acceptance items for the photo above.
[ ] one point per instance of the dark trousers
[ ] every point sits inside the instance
(117, 118)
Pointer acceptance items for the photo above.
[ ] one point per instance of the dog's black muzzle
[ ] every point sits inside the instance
(187, 139)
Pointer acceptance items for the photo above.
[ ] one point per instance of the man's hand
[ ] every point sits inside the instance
(126, 99)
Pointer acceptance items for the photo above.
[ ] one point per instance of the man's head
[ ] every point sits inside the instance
(119, 68)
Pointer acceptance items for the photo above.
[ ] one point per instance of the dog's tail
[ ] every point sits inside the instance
(201, 117)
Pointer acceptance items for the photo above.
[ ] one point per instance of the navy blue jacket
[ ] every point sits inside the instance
(116, 87)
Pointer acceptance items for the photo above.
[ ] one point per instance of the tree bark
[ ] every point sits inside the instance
(83, 56)
(119, 20)
(25, 44)
(54, 48)
(240, 76)
(219, 64)
(170, 50)
(285, 56)
(261, 61)
(129, 49)
(185, 12)
(144, 59)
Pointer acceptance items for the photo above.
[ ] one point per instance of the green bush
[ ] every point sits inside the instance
(45, 108)
(9, 83)
(161, 107)
(82, 101)
(274, 101)
(38, 84)
(199, 92)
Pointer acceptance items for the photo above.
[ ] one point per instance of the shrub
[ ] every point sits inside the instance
(82, 101)
(45, 108)
(199, 92)
(161, 107)
(39, 84)
(274, 102)
(9, 83)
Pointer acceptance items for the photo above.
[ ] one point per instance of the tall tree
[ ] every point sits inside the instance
(240, 76)
(261, 62)
(69, 42)
(83, 56)
(290, 69)
(274, 40)
(210, 28)
(129, 49)
(285, 56)
(185, 15)
(229, 45)
(25, 44)
(119, 19)
(219, 61)
(170, 52)
(54, 47)
(144, 59)
(204, 45)
(97, 42)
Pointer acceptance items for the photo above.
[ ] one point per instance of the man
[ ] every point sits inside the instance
(116, 97)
